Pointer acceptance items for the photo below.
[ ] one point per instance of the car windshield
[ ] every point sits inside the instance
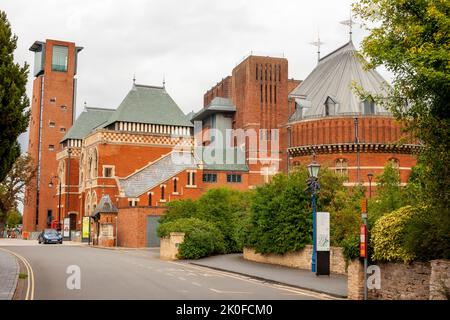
(50, 231)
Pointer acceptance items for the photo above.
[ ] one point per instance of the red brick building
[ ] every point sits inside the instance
(52, 115)
(147, 152)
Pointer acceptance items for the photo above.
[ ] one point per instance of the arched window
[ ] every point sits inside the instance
(163, 191)
(369, 106)
(150, 199)
(342, 167)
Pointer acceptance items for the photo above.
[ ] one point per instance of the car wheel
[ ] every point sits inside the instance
(39, 241)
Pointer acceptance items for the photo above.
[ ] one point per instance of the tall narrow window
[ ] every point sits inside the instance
(270, 92)
(59, 58)
(270, 75)
(175, 181)
(150, 199)
(265, 94)
(163, 191)
(261, 93)
(256, 72)
(275, 93)
(265, 71)
(191, 178)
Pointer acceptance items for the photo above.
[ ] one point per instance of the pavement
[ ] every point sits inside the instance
(9, 274)
(72, 271)
(335, 285)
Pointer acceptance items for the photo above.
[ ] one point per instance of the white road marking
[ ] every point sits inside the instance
(229, 292)
(30, 279)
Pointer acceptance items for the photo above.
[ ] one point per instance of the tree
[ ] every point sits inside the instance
(13, 100)
(13, 186)
(14, 218)
(412, 40)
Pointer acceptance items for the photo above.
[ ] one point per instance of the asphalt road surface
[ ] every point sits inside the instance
(137, 274)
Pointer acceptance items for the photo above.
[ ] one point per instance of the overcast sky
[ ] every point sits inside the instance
(194, 43)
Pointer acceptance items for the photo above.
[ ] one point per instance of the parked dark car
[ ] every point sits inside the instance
(50, 236)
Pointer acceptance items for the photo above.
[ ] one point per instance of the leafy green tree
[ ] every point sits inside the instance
(14, 218)
(389, 194)
(180, 209)
(13, 100)
(281, 217)
(411, 38)
(227, 209)
(12, 187)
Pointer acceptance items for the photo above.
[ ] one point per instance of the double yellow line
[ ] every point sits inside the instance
(30, 287)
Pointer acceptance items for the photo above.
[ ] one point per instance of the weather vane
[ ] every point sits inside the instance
(349, 23)
(317, 44)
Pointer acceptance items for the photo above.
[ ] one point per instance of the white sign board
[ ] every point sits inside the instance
(323, 231)
(66, 230)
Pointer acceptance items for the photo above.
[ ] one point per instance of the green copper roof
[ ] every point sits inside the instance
(87, 121)
(149, 104)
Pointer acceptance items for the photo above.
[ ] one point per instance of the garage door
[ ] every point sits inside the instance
(152, 236)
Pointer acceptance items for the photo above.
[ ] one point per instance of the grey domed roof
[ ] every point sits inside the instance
(332, 79)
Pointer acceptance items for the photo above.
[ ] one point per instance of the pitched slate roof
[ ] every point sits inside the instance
(155, 174)
(332, 77)
(149, 104)
(105, 206)
(88, 120)
(217, 105)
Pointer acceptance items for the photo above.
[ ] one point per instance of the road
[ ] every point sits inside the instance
(137, 274)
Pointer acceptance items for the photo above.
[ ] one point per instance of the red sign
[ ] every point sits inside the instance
(363, 241)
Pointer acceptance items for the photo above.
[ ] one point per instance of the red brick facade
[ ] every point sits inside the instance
(258, 88)
(52, 110)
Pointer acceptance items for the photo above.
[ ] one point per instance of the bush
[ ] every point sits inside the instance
(351, 247)
(201, 238)
(428, 235)
(281, 217)
(388, 236)
(180, 209)
(228, 210)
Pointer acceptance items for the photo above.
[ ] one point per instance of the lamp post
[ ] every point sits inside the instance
(370, 176)
(313, 185)
(50, 184)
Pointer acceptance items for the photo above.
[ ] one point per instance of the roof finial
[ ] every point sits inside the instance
(317, 44)
(134, 79)
(349, 23)
(164, 81)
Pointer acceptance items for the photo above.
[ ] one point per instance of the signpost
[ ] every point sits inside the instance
(86, 229)
(66, 229)
(363, 242)
(323, 243)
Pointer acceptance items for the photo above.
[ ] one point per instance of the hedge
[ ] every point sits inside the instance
(201, 239)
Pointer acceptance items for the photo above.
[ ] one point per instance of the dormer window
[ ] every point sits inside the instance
(369, 106)
(330, 107)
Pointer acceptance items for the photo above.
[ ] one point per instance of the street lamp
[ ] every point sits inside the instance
(370, 176)
(50, 185)
(313, 186)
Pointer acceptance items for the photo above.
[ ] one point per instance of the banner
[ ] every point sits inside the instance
(66, 230)
(323, 231)
(86, 227)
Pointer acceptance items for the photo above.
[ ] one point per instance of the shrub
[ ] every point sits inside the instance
(388, 236)
(428, 235)
(180, 209)
(201, 238)
(351, 247)
(281, 218)
(228, 210)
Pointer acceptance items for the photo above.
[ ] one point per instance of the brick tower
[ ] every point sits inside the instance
(52, 114)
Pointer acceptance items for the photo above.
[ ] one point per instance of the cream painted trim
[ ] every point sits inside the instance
(366, 184)
(191, 186)
(264, 159)
(378, 168)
